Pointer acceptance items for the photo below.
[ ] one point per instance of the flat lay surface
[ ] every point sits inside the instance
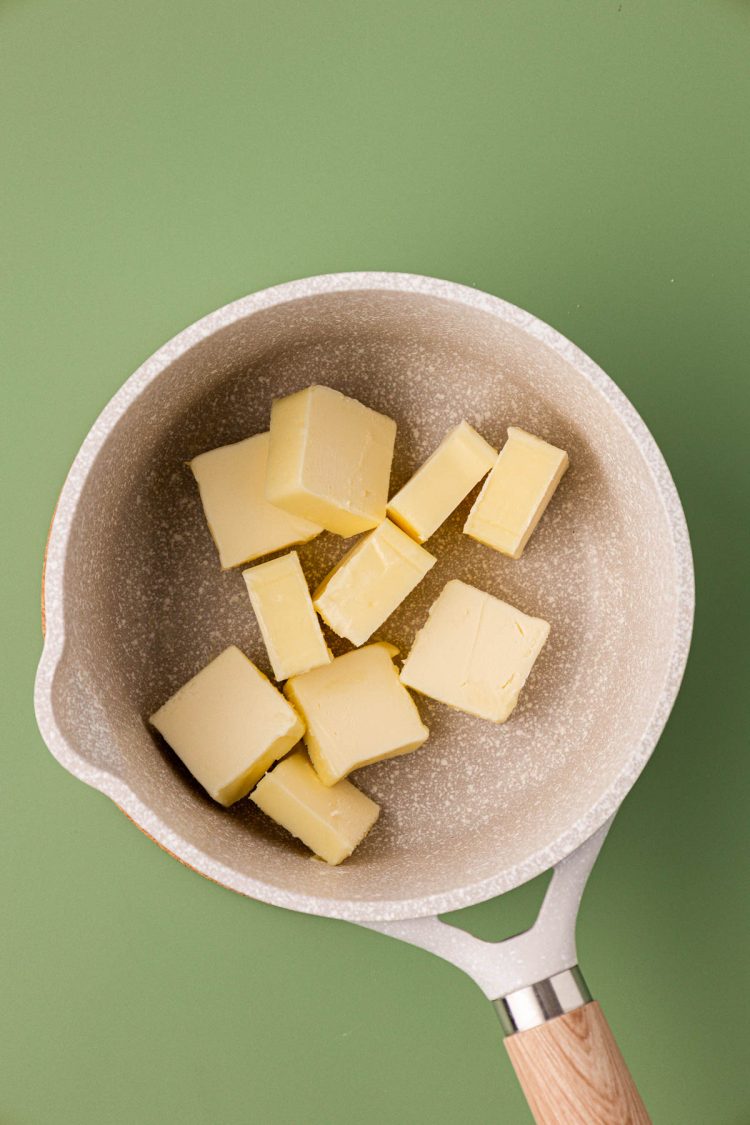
(584, 161)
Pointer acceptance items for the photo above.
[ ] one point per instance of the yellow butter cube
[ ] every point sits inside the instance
(289, 626)
(229, 724)
(371, 580)
(330, 819)
(446, 478)
(244, 526)
(474, 652)
(330, 460)
(516, 492)
(356, 712)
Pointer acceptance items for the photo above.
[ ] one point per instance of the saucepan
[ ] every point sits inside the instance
(136, 604)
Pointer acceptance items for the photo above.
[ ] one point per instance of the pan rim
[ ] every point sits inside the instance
(361, 910)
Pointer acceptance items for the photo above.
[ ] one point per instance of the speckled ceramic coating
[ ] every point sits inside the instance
(136, 602)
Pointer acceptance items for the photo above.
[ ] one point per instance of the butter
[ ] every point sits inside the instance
(371, 580)
(289, 626)
(516, 492)
(330, 460)
(229, 724)
(474, 652)
(356, 712)
(330, 820)
(244, 526)
(446, 478)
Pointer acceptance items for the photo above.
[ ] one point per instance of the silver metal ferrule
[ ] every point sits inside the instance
(545, 1000)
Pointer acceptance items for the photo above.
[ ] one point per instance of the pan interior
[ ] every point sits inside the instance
(146, 604)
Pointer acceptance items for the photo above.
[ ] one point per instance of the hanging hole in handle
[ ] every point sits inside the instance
(505, 916)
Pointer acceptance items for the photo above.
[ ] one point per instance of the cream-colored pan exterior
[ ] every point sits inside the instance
(136, 602)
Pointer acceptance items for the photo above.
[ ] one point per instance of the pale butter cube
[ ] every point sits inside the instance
(516, 492)
(474, 652)
(229, 724)
(330, 460)
(356, 712)
(371, 580)
(244, 526)
(289, 626)
(446, 478)
(330, 819)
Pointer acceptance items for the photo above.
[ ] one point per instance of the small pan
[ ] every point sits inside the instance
(136, 604)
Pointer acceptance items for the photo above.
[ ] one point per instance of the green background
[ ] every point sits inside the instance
(586, 159)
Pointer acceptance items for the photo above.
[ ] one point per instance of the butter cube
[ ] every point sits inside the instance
(229, 724)
(330, 819)
(474, 652)
(288, 623)
(356, 712)
(446, 478)
(371, 580)
(330, 460)
(244, 526)
(516, 492)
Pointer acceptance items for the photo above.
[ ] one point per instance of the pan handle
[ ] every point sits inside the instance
(558, 1040)
(572, 1072)
(502, 968)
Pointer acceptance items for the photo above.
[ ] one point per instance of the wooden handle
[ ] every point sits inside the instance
(572, 1072)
